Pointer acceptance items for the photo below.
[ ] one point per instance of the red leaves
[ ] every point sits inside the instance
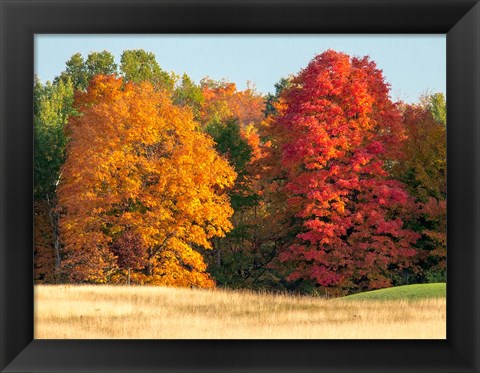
(130, 251)
(339, 128)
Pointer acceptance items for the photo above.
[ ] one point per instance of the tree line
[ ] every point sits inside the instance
(325, 186)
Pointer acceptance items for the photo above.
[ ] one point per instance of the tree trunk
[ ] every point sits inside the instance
(56, 244)
(149, 269)
(219, 254)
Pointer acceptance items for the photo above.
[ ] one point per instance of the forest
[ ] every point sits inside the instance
(325, 186)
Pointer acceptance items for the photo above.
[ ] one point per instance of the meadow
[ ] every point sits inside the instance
(134, 312)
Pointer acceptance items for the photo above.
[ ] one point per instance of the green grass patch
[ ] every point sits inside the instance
(407, 292)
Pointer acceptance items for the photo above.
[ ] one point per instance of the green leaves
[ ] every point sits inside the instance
(438, 108)
(229, 142)
(52, 109)
(100, 63)
(140, 66)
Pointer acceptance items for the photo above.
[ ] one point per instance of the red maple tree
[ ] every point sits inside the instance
(339, 133)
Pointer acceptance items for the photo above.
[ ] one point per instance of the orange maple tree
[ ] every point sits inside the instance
(141, 187)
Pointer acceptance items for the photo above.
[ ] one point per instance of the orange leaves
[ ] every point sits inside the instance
(138, 173)
(222, 102)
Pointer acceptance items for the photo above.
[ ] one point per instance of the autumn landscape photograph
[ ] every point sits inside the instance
(240, 187)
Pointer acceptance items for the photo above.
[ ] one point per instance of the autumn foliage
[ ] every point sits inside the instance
(339, 130)
(222, 101)
(141, 188)
(326, 186)
(422, 167)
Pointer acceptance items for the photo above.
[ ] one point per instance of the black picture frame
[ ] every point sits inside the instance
(21, 19)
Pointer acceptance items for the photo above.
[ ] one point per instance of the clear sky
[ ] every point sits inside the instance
(412, 64)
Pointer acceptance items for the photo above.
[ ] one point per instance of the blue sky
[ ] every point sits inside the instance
(412, 64)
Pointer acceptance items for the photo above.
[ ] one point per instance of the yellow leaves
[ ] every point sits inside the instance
(116, 229)
(136, 162)
(222, 101)
(339, 206)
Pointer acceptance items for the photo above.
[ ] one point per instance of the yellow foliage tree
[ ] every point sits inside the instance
(142, 187)
(222, 101)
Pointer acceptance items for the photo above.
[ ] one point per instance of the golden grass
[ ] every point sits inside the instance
(110, 312)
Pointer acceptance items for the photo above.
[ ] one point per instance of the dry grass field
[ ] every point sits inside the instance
(109, 312)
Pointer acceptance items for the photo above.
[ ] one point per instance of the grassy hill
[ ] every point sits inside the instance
(407, 292)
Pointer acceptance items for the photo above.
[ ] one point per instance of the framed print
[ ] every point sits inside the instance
(147, 252)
